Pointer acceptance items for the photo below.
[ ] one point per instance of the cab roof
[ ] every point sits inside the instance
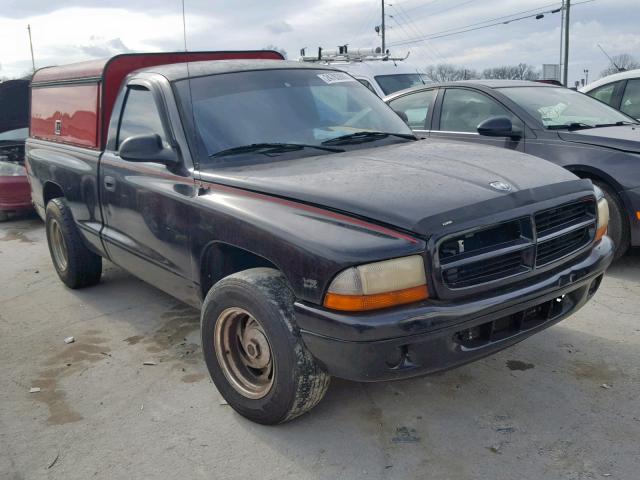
(178, 71)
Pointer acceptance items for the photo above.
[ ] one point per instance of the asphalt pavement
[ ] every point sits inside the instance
(564, 404)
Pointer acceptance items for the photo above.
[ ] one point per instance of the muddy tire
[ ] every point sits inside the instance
(76, 265)
(253, 349)
(618, 223)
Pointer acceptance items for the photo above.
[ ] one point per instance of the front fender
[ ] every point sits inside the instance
(310, 245)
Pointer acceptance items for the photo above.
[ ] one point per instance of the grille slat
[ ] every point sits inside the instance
(563, 216)
(477, 272)
(508, 249)
(560, 246)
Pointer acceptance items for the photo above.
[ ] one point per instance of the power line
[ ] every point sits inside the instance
(424, 58)
(443, 10)
(422, 6)
(499, 18)
(460, 30)
(431, 52)
(417, 30)
(369, 20)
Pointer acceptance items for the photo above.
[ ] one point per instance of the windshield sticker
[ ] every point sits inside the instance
(552, 112)
(336, 77)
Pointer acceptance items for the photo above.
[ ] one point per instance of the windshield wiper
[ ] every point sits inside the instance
(271, 148)
(616, 124)
(571, 126)
(364, 136)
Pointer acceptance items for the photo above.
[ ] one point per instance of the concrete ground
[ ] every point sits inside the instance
(564, 404)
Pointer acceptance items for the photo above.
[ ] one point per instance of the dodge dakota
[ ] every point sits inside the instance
(316, 234)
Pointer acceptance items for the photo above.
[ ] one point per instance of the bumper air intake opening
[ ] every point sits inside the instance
(514, 324)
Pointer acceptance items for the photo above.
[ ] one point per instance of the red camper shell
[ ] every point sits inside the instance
(72, 104)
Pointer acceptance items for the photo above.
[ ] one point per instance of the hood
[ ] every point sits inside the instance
(625, 138)
(14, 105)
(404, 185)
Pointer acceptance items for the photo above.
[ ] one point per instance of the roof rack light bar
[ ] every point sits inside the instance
(343, 54)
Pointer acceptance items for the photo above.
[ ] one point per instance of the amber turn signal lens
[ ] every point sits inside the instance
(361, 303)
(601, 232)
(603, 218)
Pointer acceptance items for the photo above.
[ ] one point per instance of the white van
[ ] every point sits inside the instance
(382, 74)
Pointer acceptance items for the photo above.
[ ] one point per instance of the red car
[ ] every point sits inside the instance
(15, 194)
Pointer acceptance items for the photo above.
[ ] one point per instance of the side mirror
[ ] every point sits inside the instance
(147, 148)
(498, 127)
(402, 115)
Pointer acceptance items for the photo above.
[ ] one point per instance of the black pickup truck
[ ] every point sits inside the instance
(318, 236)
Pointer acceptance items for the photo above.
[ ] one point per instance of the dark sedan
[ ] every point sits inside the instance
(568, 128)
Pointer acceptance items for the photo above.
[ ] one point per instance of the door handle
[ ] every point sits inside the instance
(110, 183)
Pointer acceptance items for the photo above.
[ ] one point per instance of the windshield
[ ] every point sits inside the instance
(275, 111)
(561, 107)
(394, 83)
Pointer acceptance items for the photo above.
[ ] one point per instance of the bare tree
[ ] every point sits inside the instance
(276, 49)
(522, 71)
(620, 63)
(446, 72)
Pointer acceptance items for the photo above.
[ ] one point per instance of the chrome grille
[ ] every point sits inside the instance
(516, 247)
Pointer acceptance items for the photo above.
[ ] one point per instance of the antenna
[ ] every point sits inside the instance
(184, 28)
(33, 62)
(611, 59)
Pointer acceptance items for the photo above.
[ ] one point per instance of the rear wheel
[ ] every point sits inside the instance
(618, 225)
(254, 353)
(76, 265)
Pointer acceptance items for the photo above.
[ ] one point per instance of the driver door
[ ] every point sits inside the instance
(145, 204)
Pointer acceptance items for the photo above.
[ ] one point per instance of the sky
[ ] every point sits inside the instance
(68, 31)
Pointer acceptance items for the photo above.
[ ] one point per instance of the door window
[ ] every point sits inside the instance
(463, 110)
(414, 108)
(140, 115)
(605, 93)
(631, 98)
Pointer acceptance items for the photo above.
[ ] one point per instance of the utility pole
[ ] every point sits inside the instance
(382, 30)
(33, 62)
(565, 73)
(561, 39)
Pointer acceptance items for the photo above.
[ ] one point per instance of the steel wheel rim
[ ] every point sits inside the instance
(244, 353)
(58, 245)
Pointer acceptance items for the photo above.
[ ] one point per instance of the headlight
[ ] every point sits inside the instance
(10, 169)
(603, 214)
(378, 285)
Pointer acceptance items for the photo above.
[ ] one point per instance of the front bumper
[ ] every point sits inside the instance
(433, 336)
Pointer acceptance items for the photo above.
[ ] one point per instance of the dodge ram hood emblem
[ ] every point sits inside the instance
(501, 186)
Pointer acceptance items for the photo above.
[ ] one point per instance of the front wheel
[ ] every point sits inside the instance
(254, 354)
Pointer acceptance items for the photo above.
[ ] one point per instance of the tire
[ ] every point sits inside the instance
(4, 216)
(259, 300)
(76, 265)
(618, 225)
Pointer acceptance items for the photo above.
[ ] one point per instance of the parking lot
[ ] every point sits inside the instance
(562, 404)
